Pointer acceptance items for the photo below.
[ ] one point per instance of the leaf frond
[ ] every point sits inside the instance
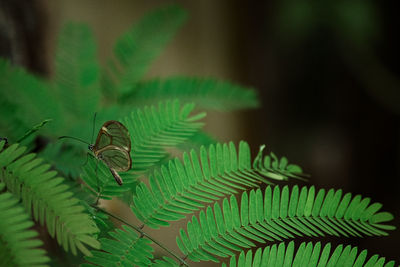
(67, 159)
(26, 99)
(207, 93)
(307, 255)
(124, 248)
(32, 131)
(183, 186)
(136, 49)
(101, 182)
(155, 129)
(277, 215)
(165, 262)
(47, 199)
(278, 169)
(76, 79)
(19, 245)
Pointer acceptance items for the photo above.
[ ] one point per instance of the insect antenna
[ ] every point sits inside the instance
(75, 138)
(94, 126)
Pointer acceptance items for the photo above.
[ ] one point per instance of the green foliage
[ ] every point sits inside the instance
(47, 199)
(206, 93)
(136, 49)
(159, 116)
(157, 129)
(126, 248)
(164, 262)
(26, 100)
(181, 187)
(79, 89)
(77, 80)
(277, 169)
(19, 246)
(309, 255)
(279, 215)
(31, 132)
(98, 177)
(65, 158)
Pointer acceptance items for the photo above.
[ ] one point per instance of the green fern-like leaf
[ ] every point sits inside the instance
(101, 219)
(101, 182)
(278, 169)
(29, 135)
(11, 125)
(155, 129)
(76, 80)
(125, 248)
(135, 50)
(206, 93)
(66, 159)
(182, 187)
(47, 199)
(26, 100)
(165, 262)
(19, 245)
(276, 216)
(307, 255)
(152, 131)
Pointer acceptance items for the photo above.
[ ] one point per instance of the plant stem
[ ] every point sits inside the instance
(182, 261)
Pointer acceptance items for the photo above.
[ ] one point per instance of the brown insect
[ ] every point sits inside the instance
(112, 146)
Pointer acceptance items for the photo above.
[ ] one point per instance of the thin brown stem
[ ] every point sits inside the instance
(142, 233)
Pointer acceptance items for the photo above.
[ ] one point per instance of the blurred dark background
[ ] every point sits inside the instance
(327, 74)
